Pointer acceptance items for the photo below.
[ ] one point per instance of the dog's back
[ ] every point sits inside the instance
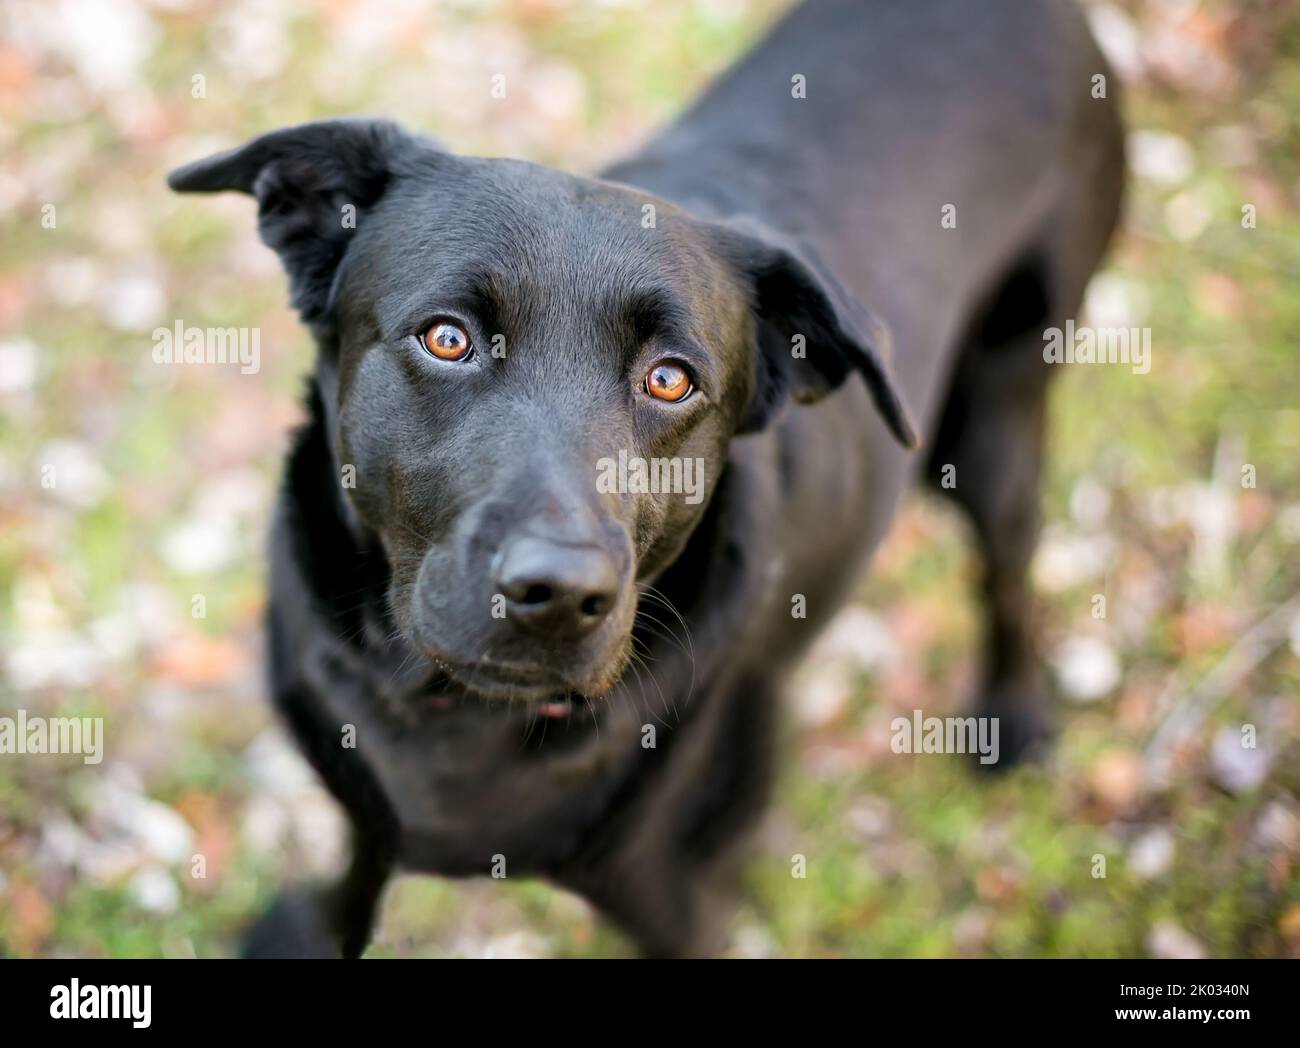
(946, 163)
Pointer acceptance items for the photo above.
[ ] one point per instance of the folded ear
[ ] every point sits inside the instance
(811, 332)
(312, 183)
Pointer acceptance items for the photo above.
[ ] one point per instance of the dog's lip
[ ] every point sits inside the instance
(508, 681)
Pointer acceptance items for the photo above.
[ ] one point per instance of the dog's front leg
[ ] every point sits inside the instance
(335, 921)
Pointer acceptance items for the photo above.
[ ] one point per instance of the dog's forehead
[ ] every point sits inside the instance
(526, 234)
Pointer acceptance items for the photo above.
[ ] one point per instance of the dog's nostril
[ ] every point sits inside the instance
(536, 594)
(558, 589)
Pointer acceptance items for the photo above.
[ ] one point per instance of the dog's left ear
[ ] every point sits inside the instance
(811, 331)
(312, 183)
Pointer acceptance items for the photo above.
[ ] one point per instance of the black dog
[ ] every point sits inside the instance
(547, 674)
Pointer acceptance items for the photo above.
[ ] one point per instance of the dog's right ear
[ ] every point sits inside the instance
(312, 184)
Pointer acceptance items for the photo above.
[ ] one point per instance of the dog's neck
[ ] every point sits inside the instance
(339, 562)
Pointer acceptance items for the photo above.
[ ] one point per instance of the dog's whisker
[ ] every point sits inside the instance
(664, 703)
(663, 599)
(637, 665)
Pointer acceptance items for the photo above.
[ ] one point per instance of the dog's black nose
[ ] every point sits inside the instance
(555, 589)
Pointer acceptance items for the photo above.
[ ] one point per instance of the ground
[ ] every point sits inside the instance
(133, 583)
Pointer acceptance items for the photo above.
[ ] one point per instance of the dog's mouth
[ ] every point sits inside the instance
(546, 693)
(508, 672)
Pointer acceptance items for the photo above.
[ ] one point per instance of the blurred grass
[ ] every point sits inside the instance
(904, 857)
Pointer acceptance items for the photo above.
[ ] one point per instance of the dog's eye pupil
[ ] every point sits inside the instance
(447, 341)
(669, 381)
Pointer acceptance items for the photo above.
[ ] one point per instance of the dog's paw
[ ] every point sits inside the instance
(294, 927)
(1023, 730)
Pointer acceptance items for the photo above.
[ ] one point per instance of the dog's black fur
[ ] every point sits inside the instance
(775, 216)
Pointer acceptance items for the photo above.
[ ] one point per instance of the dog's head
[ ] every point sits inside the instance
(532, 379)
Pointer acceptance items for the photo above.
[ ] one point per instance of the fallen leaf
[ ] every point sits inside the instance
(1116, 778)
(32, 917)
(199, 662)
(1170, 942)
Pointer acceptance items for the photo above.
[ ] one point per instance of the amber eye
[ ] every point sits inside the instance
(447, 340)
(669, 381)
